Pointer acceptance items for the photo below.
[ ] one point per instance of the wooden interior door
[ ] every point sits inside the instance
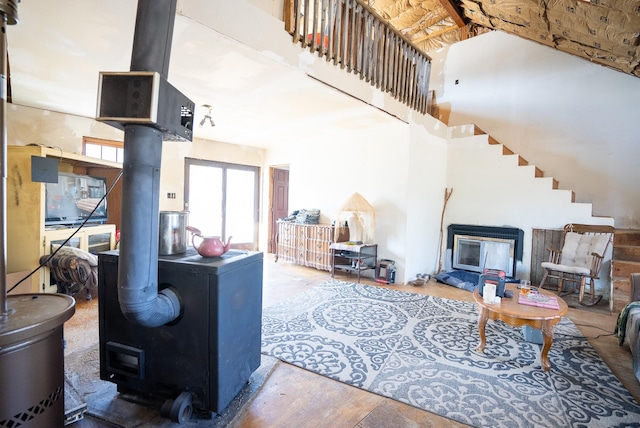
(279, 202)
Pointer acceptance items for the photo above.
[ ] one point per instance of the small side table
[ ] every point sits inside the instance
(361, 257)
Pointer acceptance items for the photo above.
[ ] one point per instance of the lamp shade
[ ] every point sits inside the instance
(357, 208)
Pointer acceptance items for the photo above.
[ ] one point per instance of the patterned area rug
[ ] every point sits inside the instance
(421, 350)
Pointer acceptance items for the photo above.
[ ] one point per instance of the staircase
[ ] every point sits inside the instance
(521, 161)
(625, 260)
(515, 189)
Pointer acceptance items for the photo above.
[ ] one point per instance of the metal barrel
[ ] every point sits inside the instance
(172, 233)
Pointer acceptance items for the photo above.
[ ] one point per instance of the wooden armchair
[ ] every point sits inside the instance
(583, 250)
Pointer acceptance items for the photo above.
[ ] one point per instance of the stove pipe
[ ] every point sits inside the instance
(8, 15)
(138, 294)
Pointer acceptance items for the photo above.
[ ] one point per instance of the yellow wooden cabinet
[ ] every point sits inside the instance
(27, 238)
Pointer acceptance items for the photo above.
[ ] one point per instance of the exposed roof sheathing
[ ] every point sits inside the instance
(603, 31)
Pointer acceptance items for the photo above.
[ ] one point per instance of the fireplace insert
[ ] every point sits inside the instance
(475, 248)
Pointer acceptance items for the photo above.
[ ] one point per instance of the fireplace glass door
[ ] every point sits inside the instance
(469, 252)
(476, 253)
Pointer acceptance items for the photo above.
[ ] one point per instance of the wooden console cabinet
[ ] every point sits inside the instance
(306, 244)
(27, 238)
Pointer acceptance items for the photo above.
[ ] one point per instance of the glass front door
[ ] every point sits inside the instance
(222, 200)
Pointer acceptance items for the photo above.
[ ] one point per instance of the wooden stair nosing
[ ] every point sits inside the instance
(521, 161)
(626, 237)
(627, 253)
(624, 268)
(477, 130)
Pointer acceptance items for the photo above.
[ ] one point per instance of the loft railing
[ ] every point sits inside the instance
(353, 36)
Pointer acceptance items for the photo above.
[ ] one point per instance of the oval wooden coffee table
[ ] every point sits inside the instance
(518, 315)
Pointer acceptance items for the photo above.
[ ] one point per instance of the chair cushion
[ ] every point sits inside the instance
(578, 247)
(578, 270)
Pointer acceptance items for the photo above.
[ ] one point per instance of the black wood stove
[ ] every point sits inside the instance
(200, 361)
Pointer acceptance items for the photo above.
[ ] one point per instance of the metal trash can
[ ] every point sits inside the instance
(173, 233)
(32, 360)
(532, 335)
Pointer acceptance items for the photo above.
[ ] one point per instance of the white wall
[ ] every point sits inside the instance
(491, 189)
(27, 125)
(575, 120)
(396, 161)
(372, 161)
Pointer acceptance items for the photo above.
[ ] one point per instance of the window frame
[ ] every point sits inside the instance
(103, 143)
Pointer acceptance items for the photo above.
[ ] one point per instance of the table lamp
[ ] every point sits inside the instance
(360, 217)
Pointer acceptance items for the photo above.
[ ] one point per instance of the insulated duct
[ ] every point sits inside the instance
(138, 294)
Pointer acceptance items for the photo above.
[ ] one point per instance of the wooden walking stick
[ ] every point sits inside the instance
(447, 195)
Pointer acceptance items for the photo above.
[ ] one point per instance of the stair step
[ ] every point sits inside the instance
(626, 237)
(621, 293)
(521, 161)
(623, 269)
(629, 253)
(478, 131)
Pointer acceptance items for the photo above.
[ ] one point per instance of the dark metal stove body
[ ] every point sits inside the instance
(210, 351)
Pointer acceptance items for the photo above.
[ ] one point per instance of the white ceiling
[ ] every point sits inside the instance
(58, 48)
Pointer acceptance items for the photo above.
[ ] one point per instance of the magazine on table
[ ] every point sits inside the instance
(538, 300)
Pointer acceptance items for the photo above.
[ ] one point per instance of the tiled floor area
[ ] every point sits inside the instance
(293, 397)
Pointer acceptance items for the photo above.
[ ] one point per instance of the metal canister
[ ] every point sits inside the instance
(173, 233)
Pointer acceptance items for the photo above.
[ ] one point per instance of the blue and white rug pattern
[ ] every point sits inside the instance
(421, 350)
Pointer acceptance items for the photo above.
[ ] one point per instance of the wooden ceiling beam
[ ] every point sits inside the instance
(454, 12)
(434, 34)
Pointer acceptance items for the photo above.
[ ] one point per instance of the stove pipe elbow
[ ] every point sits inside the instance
(161, 309)
(138, 294)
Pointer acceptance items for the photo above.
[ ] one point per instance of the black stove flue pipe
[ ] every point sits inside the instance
(138, 294)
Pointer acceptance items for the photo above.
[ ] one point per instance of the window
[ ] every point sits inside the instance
(222, 200)
(108, 150)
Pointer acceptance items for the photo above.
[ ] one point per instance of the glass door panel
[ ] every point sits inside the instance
(240, 219)
(222, 200)
(205, 199)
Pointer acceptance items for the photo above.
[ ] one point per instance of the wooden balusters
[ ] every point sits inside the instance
(354, 37)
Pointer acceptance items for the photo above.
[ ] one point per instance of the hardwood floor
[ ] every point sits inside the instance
(293, 397)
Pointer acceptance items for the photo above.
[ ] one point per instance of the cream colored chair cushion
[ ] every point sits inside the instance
(576, 253)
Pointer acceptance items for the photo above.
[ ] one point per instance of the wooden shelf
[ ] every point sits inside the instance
(364, 255)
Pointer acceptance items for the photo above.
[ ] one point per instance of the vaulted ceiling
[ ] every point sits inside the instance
(606, 32)
(58, 48)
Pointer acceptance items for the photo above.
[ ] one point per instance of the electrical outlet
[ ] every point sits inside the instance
(171, 195)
